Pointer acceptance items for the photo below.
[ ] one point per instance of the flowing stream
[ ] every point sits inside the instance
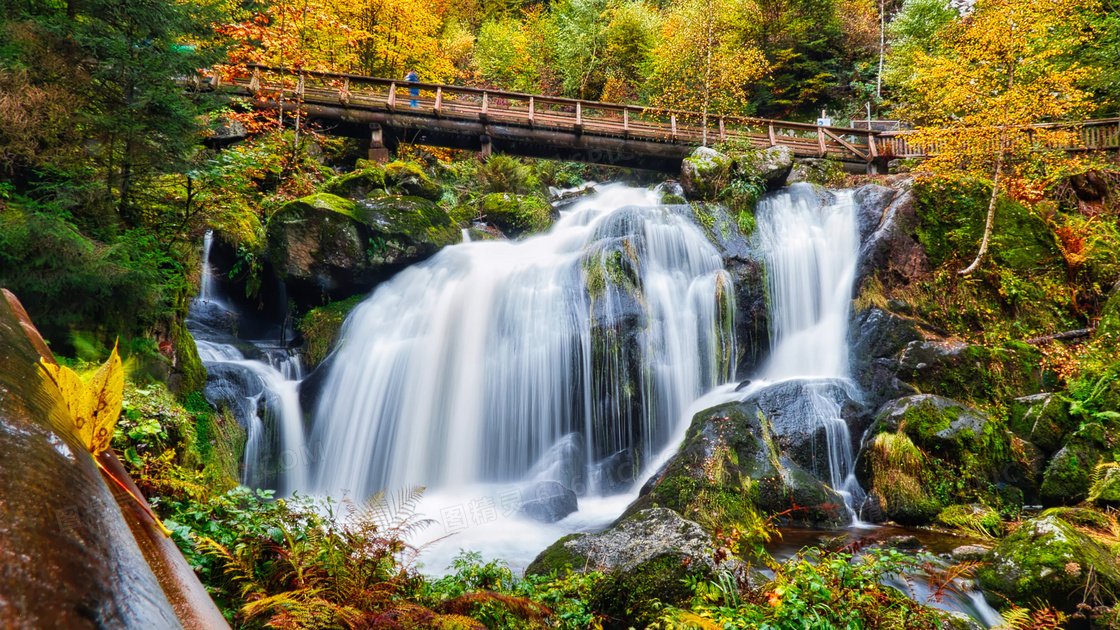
(577, 357)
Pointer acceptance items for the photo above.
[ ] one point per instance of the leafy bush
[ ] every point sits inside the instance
(505, 174)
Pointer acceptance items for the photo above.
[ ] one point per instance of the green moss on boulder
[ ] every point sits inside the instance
(359, 183)
(972, 373)
(1042, 420)
(1047, 559)
(1068, 476)
(325, 245)
(320, 327)
(408, 179)
(1105, 490)
(190, 374)
(517, 214)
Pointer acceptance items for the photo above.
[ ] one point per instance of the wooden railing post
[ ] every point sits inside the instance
(820, 141)
(722, 131)
(773, 141)
(439, 102)
(579, 118)
(391, 103)
(673, 123)
(625, 122)
(255, 82)
(485, 107)
(344, 91)
(532, 106)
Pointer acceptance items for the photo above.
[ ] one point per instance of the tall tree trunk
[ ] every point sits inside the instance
(990, 219)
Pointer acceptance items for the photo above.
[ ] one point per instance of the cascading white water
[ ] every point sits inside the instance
(471, 366)
(811, 244)
(272, 416)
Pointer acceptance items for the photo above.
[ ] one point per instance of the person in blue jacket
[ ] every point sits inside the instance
(413, 77)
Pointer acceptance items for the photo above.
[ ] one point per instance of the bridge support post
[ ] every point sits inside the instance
(377, 150)
(486, 149)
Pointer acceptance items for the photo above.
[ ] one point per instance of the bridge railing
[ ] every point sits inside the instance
(1089, 135)
(548, 113)
(556, 114)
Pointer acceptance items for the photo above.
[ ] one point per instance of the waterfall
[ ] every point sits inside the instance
(811, 244)
(263, 394)
(497, 360)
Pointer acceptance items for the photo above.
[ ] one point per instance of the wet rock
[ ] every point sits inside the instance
(875, 338)
(766, 452)
(904, 542)
(324, 244)
(1046, 559)
(893, 248)
(748, 275)
(644, 557)
(871, 206)
(547, 502)
(617, 473)
(973, 518)
(970, 553)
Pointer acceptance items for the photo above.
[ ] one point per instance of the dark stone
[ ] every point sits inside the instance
(893, 248)
(1042, 419)
(904, 542)
(875, 338)
(324, 245)
(617, 473)
(547, 502)
(871, 205)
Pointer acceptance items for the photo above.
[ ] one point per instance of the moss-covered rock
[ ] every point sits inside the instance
(1068, 476)
(646, 558)
(320, 326)
(189, 375)
(1041, 419)
(739, 460)
(920, 445)
(409, 180)
(1047, 559)
(972, 373)
(972, 519)
(359, 183)
(517, 214)
(704, 174)
(326, 247)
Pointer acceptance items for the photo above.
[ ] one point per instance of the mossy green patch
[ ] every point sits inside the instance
(320, 327)
(517, 214)
(630, 598)
(359, 183)
(191, 374)
(409, 179)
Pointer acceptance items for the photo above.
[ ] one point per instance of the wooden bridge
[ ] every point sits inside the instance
(387, 112)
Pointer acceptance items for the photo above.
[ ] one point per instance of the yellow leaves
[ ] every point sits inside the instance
(95, 406)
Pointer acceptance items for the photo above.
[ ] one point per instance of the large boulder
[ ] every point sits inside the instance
(409, 180)
(875, 339)
(703, 174)
(1105, 491)
(1042, 420)
(547, 502)
(766, 454)
(892, 250)
(360, 183)
(517, 214)
(1048, 559)
(327, 245)
(645, 557)
(973, 373)
(1069, 475)
(919, 437)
